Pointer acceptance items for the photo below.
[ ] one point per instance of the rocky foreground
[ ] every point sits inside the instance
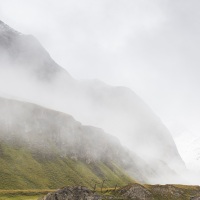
(132, 191)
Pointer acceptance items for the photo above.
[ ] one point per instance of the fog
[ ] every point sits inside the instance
(148, 46)
(117, 110)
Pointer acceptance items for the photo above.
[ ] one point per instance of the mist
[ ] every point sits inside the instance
(118, 110)
(150, 47)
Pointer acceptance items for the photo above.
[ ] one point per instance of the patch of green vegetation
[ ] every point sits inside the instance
(22, 194)
(19, 197)
(22, 169)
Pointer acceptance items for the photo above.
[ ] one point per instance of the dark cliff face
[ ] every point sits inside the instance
(117, 110)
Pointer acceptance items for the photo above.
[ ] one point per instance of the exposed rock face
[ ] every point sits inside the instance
(73, 193)
(135, 191)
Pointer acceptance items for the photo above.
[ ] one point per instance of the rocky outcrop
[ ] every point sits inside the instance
(73, 193)
(159, 192)
(132, 191)
(175, 192)
(168, 191)
(135, 191)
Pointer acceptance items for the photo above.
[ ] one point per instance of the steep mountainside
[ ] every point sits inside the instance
(117, 110)
(22, 168)
(41, 148)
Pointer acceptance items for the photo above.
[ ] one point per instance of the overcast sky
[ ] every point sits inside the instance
(150, 46)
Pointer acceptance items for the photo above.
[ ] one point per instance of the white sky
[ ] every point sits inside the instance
(151, 46)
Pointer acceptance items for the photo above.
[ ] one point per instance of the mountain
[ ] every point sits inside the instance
(42, 148)
(35, 135)
(28, 73)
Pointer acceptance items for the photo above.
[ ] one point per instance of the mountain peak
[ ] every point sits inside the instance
(4, 28)
(25, 50)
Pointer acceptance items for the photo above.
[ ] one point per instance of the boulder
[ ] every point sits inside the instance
(135, 191)
(72, 193)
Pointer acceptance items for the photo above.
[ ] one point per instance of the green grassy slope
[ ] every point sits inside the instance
(23, 197)
(22, 169)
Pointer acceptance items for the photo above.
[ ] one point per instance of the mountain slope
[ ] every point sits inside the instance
(117, 110)
(22, 169)
(41, 148)
(19, 49)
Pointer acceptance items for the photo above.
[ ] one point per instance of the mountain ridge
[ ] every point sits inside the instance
(49, 135)
(116, 110)
(45, 158)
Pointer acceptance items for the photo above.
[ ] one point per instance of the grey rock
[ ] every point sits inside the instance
(73, 193)
(169, 191)
(135, 191)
